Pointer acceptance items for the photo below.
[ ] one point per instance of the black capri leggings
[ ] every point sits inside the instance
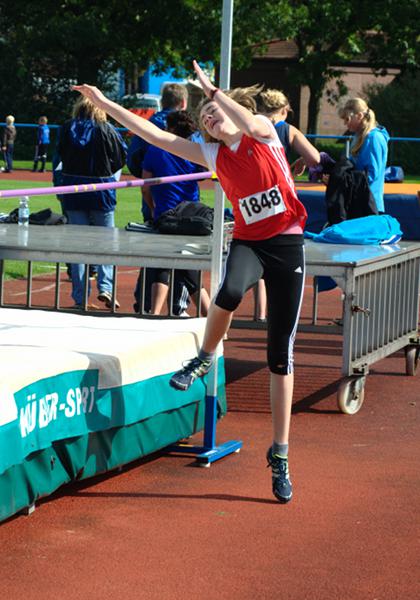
(280, 262)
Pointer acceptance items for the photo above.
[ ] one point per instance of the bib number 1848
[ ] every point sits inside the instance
(262, 205)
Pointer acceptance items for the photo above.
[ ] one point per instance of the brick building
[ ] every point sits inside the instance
(273, 70)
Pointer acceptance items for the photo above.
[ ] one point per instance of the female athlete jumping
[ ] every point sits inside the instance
(248, 158)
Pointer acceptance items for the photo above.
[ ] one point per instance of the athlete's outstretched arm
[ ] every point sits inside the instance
(245, 121)
(143, 128)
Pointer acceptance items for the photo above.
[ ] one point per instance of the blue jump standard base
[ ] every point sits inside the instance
(209, 452)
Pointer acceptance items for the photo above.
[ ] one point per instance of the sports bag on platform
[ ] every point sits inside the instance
(188, 218)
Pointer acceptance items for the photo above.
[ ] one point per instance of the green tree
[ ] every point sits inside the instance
(327, 34)
(395, 38)
(331, 33)
(46, 47)
(396, 107)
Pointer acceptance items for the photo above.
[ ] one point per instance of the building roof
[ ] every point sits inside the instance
(281, 49)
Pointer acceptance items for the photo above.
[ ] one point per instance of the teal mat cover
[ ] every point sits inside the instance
(67, 429)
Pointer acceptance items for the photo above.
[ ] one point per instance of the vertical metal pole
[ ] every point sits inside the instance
(347, 148)
(29, 285)
(86, 288)
(315, 301)
(226, 44)
(171, 292)
(219, 204)
(114, 287)
(215, 276)
(200, 285)
(143, 290)
(57, 287)
(1, 282)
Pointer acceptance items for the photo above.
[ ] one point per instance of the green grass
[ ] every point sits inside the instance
(411, 179)
(28, 164)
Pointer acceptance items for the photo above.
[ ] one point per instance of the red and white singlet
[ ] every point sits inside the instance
(257, 180)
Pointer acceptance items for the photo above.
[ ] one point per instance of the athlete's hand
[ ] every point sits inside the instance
(206, 84)
(298, 167)
(92, 93)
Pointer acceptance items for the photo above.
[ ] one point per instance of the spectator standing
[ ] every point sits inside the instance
(42, 143)
(8, 142)
(160, 198)
(369, 146)
(275, 105)
(91, 150)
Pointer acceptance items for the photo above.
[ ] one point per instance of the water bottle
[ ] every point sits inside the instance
(23, 214)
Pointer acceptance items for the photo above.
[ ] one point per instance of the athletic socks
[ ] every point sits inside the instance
(280, 449)
(206, 356)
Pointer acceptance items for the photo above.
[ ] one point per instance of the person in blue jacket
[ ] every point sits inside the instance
(164, 197)
(91, 150)
(369, 146)
(42, 143)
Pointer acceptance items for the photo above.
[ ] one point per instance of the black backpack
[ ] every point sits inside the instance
(188, 218)
(348, 195)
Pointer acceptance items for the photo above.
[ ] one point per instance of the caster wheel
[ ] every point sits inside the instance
(411, 359)
(351, 394)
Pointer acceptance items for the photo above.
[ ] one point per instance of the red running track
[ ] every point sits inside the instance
(163, 529)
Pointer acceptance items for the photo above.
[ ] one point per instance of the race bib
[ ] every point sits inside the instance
(262, 205)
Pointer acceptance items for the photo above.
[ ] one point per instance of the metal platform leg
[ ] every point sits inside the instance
(209, 452)
(315, 301)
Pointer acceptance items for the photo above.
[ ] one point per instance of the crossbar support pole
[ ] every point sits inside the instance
(211, 451)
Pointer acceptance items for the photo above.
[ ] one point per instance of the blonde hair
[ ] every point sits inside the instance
(354, 106)
(246, 97)
(43, 120)
(10, 119)
(85, 109)
(273, 100)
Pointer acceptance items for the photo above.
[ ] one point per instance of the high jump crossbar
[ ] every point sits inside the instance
(97, 187)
